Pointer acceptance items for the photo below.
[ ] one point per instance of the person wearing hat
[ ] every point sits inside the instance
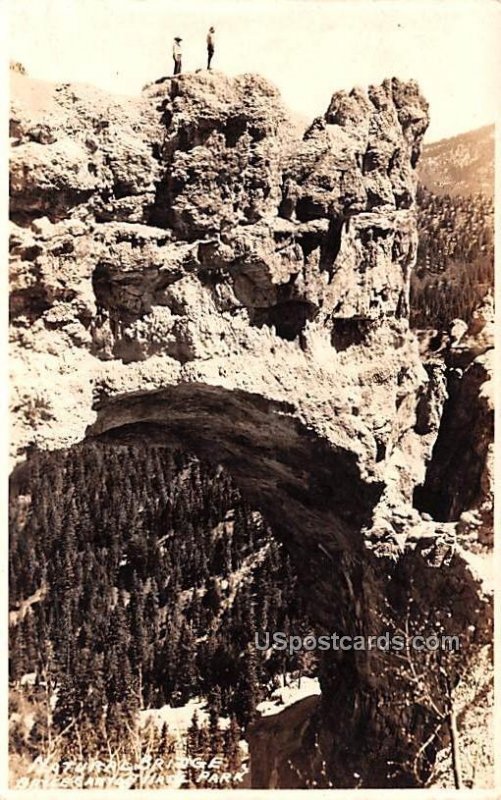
(211, 42)
(177, 54)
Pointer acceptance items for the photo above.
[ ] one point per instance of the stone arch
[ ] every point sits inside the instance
(312, 494)
(303, 484)
(318, 503)
(319, 432)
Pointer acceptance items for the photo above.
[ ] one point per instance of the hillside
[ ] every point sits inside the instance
(455, 261)
(157, 575)
(460, 166)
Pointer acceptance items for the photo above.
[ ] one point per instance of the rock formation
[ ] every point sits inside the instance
(185, 269)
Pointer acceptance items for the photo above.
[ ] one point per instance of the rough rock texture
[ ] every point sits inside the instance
(184, 269)
(461, 474)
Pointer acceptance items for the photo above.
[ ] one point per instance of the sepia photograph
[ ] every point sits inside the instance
(251, 395)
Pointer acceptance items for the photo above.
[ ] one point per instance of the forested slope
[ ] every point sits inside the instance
(455, 264)
(147, 576)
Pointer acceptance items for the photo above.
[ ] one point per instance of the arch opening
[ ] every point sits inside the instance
(105, 529)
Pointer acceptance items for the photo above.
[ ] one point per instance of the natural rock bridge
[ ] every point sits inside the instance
(187, 268)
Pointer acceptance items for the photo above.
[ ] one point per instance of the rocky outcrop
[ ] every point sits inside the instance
(459, 482)
(184, 269)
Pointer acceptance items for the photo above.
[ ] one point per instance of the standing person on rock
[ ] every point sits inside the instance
(177, 55)
(211, 44)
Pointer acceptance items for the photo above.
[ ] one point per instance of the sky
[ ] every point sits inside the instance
(308, 48)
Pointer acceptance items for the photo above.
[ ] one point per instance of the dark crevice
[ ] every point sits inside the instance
(31, 253)
(370, 162)
(55, 205)
(235, 128)
(101, 285)
(257, 134)
(30, 303)
(403, 199)
(374, 233)
(107, 299)
(167, 115)
(380, 451)
(309, 242)
(287, 206)
(331, 245)
(307, 209)
(458, 451)
(349, 331)
(288, 318)
(159, 215)
(188, 138)
(122, 189)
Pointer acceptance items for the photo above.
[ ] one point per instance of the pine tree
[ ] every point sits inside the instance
(192, 752)
(187, 672)
(232, 752)
(213, 597)
(138, 648)
(215, 733)
(247, 694)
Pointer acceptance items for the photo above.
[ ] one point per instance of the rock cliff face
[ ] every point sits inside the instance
(184, 269)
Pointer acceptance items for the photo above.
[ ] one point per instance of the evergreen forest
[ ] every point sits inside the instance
(139, 578)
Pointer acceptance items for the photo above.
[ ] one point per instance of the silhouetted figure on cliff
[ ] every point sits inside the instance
(177, 54)
(211, 44)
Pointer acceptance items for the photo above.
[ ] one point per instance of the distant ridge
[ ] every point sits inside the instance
(460, 166)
